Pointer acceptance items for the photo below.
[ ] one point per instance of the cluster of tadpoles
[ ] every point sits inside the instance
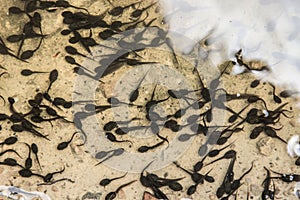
(27, 121)
(32, 29)
(269, 191)
(28, 31)
(80, 20)
(262, 118)
(126, 53)
(26, 170)
(39, 113)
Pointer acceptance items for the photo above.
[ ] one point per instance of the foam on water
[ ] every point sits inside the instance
(13, 192)
(267, 30)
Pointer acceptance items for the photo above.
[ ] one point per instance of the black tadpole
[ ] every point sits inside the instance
(198, 166)
(9, 141)
(267, 192)
(73, 51)
(234, 117)
(275, 97)
(135, 93)
(228, 155)
(216, 152)
(66, 4)
(106, 181)
(113, 194)
(254, 83)
(116, 152)
(237, 183)
(52, 78)
(28, 161)
(111, 137)
(270, 131)
(118, 10)
(138, 12)
(287, 93)
(143, 149)
(55, 181)
(48, 177)
(63, 145)
(72, 61)
(34, 149)
(28, 72)
(256, 132)
(29, 53)
(4, 50)
(15, 10)
(10, 162)
(27, 126)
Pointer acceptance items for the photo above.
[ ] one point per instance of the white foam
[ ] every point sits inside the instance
(293, 141)
(264, 29)
(12, 192)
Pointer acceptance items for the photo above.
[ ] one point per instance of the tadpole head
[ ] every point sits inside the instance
(11, 100)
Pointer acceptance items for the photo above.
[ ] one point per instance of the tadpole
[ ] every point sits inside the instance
(135, 93)
(28, 161)
(116, 152)
(275, 97)
(111, 137)
(143, 149)
(28, 72)
(256, 131)
(48, 177)
(29, 53)
(106, 181)
(228, 155)
(72, 61)
(216, 152)
(73, 51)
(270, 131)
(52, 78)
(287, 93)
(113, 194)
(254, 83)
(9, 141)
(34, 149)
(138, 12)
(64, 145)
(118, 10)
(15, 10)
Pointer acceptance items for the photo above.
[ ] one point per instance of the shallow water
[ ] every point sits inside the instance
(222, 30)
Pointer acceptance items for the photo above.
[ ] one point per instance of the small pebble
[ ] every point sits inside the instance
(211, 197)
(1, 170)
(54, 188)
(76, 149)
(265, 146)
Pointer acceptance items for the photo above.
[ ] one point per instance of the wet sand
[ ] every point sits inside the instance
(79, 161)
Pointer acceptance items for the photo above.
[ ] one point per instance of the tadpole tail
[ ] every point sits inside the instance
(108, 157)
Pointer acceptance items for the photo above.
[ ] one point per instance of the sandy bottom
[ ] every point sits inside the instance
(79, 161)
